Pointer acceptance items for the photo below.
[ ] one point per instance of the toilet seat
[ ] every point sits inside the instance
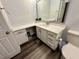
(70, 51)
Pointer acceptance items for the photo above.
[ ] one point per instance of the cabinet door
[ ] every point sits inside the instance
(21, 36)
(38, 32)
(44, 36)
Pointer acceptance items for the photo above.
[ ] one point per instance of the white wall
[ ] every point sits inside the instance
(20, 12)
(72, 18)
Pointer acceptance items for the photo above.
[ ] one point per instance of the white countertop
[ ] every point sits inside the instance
(52, 27)
(25, 26)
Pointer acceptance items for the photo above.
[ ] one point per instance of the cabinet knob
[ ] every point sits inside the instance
(7, 32)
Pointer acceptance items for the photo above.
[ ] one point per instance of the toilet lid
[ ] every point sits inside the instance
(70, 51)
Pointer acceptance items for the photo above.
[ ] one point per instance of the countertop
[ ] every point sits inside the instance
(13, 29)
(53, 27)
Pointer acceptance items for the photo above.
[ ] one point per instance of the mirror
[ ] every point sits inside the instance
(50, 10)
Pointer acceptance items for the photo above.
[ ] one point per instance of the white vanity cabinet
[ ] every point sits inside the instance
(51, 38)
(21, 36)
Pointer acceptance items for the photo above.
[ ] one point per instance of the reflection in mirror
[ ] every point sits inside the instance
(50, 10)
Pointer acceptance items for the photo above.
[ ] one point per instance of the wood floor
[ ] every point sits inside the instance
(35, 49)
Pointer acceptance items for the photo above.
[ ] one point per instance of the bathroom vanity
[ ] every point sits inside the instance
(47, 33)
(50, 34)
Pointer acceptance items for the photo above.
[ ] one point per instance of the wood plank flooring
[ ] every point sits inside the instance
(34, 50)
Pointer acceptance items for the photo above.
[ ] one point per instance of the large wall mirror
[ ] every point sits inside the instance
(50, 10)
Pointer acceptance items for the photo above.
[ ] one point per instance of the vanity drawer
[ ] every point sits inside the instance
(52, 46)
(51, 34)
(52, 40)
(51, 37)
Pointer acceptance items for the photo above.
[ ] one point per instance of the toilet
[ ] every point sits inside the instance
(71, 49)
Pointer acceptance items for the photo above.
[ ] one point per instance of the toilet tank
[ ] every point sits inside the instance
(73, 37)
